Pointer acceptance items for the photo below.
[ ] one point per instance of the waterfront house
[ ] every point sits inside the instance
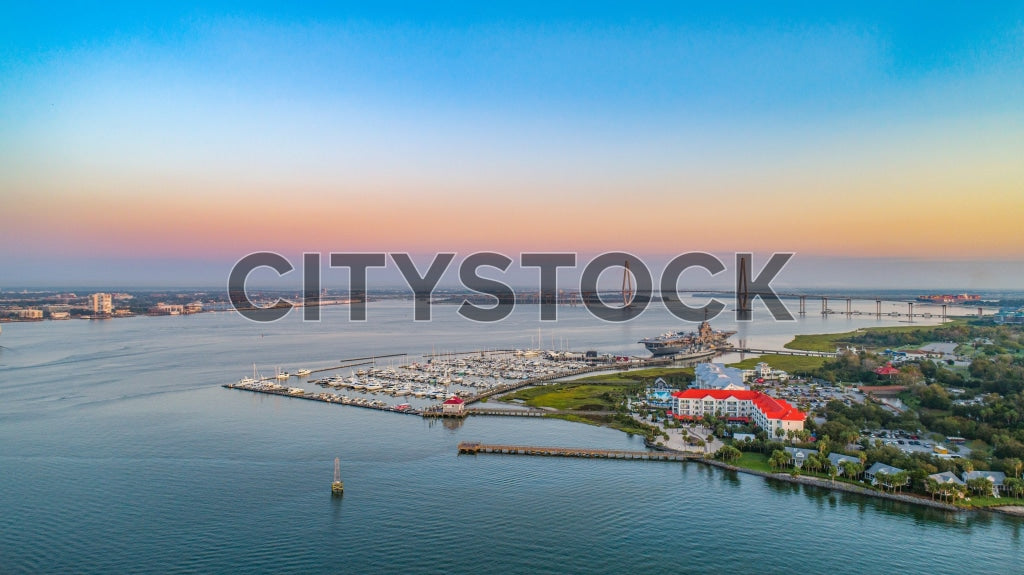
(996, 477)
(887, 471)
(946, 477)
(837, 458)
(798, 455)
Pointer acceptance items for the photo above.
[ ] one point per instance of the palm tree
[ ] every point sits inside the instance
(1014, 486)
(882, 479)
(979, 486)
(813, 462)
(778, 459)
(851, 469)
(1013, 465)
(850, 437)
(831, 470)
(900, 479)
(728, 454)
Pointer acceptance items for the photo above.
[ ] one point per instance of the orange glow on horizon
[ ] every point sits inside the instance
(218, 225)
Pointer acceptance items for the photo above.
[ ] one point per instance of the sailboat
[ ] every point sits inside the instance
(247, 380)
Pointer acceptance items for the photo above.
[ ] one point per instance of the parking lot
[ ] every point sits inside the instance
(814, 395)
(908, 442)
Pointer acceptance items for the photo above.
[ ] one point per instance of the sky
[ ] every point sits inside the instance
(147, 143)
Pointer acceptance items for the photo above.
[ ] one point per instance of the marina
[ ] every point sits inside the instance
(424, 385)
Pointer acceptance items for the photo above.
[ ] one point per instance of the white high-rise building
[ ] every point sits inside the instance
(102, 303)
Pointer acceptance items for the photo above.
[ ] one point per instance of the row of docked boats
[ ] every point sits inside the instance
(271, 386)
(438, 378)
(369, 384)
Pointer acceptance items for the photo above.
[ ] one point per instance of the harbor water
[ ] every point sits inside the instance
(122, 453)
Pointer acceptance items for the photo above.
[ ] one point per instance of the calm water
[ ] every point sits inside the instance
(120, 452)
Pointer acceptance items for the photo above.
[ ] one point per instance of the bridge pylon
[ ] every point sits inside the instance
(743, 310)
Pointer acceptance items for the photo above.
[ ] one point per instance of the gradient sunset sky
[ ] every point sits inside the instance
(193, 135)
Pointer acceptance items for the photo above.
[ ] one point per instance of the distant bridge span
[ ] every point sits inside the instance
(849, 299)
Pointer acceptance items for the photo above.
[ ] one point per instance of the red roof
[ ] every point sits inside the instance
(454, 401)
(771, 407)
(887, 370)
(774, 408)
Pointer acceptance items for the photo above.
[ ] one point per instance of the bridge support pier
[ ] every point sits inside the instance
(824, 305)
(849, 310)
(878, 308)
(943, 313)
(803, 305)
(910, 311)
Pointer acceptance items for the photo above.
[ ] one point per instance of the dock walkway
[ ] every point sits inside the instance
(531, 412)
(794, 352)
(473, 448)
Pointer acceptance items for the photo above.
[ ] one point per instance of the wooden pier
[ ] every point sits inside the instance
(472, 448)
(530, 412)
(797, 352)
(476, 352)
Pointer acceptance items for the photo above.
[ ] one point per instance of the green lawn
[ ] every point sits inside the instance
(573, 395)
(977, 501)
(642, 375)
(619, 422)
(789, 363)
(830, 341)
(820, 341)
(755, 461)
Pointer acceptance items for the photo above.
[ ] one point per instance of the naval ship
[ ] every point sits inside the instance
(704, 341)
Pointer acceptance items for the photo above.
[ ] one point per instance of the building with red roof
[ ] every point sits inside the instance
(454, 405)
(887, 371)
(769, 413)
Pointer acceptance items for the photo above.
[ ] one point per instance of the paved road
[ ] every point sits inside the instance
(676, 442)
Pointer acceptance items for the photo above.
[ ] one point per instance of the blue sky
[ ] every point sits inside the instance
(173, 131)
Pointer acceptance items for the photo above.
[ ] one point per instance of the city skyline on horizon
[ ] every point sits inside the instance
(160, 144)
(800, 273)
